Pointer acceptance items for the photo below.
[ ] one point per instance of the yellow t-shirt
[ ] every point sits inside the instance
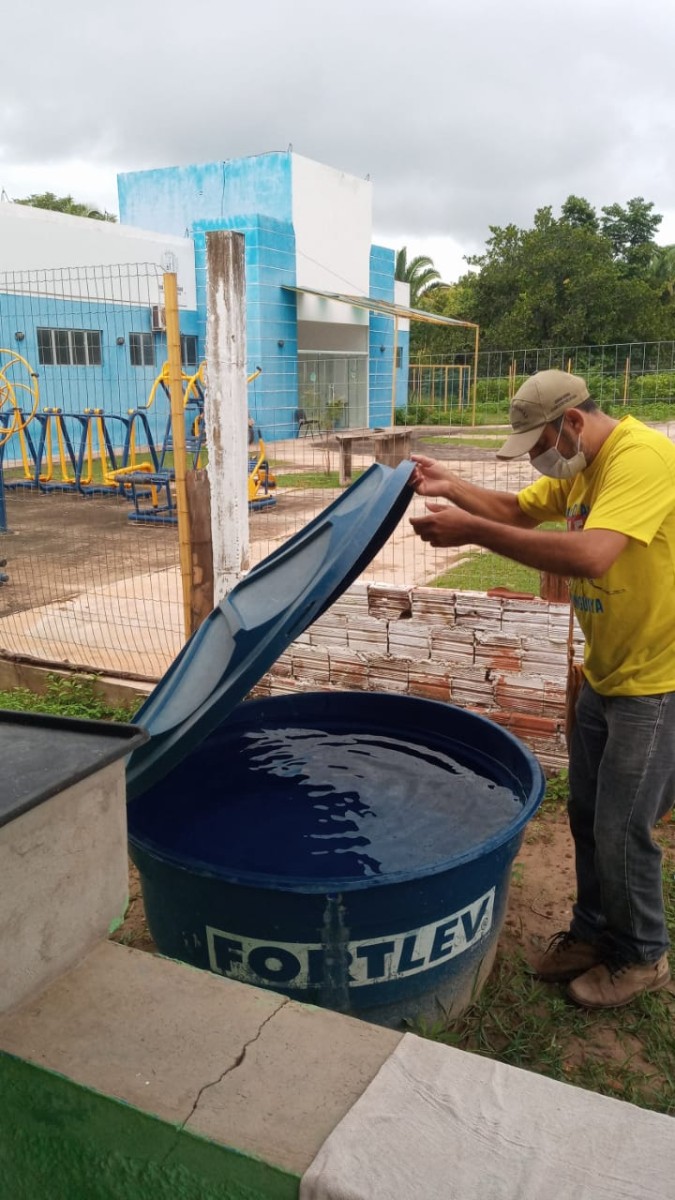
(628, 614)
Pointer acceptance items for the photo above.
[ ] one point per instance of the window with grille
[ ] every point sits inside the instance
(69, 347)
(141, 350)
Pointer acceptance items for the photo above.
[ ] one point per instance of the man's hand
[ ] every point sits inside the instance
(430, 477)
(444, 526)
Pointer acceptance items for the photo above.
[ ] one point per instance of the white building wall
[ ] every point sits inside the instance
(35, 239)
(402, 296)
(343, 339)
(333, 221)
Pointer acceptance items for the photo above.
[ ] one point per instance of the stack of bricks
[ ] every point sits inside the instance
(503, 657)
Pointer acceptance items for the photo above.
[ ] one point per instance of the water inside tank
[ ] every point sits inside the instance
(328, 803)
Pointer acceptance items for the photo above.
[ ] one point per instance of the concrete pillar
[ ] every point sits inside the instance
(225, 408)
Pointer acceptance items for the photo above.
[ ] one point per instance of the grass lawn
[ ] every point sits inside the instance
(311, 479)
(482, 570)
(481, 443)
(67, 698)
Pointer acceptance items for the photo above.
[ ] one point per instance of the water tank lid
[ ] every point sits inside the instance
(244, 635)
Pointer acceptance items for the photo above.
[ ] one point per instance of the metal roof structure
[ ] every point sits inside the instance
(398, 312)
(386, 307)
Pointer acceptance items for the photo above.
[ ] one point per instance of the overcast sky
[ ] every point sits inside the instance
(464, 115)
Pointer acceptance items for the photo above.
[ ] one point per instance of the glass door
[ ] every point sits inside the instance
(333, 389)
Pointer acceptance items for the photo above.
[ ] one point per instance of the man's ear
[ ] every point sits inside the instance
(575, 419)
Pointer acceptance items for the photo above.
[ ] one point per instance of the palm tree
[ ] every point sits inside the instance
(420, 273)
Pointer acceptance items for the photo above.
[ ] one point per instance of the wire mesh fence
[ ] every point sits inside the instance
(627, 373)
(329, 447)
(88, 525)
(84, 413)
(311, 452)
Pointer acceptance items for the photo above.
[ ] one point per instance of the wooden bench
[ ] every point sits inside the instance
(391, 447)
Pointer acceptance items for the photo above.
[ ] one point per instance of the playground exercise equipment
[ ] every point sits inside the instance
(97, 453)
(19, 394)
(149, 488)
(94, 452)
(261, 480)
(151, 492)
(75, 452)
(19, 397)
(4, 420)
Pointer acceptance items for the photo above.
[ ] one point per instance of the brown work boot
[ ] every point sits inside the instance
(565, 957)
(612, 985)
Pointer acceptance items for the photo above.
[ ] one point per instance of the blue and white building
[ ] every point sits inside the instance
(325, 319)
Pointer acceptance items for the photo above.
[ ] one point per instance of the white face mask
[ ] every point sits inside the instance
(556, 466)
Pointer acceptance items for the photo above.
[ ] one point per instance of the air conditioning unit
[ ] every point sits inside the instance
(157, 318)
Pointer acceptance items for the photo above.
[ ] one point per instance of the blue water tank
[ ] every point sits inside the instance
(323, 907)
(348, 849)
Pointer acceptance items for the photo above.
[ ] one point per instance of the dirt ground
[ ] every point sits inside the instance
(543, 882)
(59, 544)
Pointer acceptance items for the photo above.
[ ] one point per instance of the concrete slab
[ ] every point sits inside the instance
(295, 1082)
(139, 1028)
(129, 625)
(242, 1066)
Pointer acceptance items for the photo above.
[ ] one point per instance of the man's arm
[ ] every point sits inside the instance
(432, 478)
(587, 553)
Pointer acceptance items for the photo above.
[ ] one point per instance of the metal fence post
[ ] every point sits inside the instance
(178, 441)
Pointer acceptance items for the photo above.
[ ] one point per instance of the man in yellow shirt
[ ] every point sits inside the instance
(614, 483)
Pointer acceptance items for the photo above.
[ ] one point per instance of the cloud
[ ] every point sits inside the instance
(462, 117)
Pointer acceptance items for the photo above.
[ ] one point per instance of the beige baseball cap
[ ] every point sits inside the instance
(542, 398)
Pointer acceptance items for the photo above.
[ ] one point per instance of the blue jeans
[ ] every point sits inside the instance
(622, 779)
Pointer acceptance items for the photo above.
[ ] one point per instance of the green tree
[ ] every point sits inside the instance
(65, 204)
(443, 341)
(662, 272)
(578, 213)
(558, 283)
(420, 273)
(631, 231)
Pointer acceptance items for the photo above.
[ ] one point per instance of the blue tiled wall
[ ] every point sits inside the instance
(172, 199)
(381, 338)
(270, 317)
(254, 196)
